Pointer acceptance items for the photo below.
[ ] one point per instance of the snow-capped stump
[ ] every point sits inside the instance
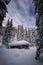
(19, 44)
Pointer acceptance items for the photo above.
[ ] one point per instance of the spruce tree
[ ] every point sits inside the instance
(26, 34)
(7, 34)
(22, 33)
(18, 33)
(3, 10)
(39, 22)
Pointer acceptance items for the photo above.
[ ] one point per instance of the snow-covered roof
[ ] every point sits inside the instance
(22, 42)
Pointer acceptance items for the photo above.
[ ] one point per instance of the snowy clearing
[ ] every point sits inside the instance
(19, 56)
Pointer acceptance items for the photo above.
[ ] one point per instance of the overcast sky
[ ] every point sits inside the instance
(22, 12)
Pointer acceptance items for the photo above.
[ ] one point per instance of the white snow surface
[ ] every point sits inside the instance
(21, 42)
(19, 56)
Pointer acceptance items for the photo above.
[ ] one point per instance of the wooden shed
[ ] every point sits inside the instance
(19, 44)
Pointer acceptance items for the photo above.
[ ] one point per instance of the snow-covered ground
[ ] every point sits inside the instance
(19, 56)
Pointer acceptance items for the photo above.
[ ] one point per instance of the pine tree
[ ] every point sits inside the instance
(29, 35)
(18, 33)
(22, 33)
(7, 34)
(39, 23)
(3, 10)
(10, 30)
(25, 34)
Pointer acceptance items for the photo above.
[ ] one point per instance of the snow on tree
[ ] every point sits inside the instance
(39, 23)
(20, 32)
(7, 34)
(29, 35)
(3, 10)
(25, 34)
